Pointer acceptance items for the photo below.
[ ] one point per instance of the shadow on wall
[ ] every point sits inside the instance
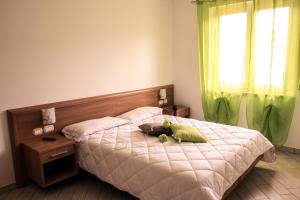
(6, 163)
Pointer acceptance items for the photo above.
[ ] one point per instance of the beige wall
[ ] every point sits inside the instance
(54, 50)
(185, 61)
(185, 57)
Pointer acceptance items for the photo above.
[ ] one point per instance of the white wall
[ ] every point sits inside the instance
(185, 57)
(186, 72)
(54, 50)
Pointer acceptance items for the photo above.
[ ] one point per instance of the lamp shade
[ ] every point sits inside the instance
(163, 93)
(48, 116)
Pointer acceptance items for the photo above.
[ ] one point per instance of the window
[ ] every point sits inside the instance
(270, 52)
(268, 48)
(233, 29)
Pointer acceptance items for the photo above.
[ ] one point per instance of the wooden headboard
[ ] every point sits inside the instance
(23, 120)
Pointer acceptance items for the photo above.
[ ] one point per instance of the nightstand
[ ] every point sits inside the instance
(176, 110)
(48, 162)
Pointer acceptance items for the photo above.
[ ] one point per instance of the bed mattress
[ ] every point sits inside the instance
(141, 165)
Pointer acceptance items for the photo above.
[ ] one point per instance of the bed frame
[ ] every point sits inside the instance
(23, 120)
(241, 178)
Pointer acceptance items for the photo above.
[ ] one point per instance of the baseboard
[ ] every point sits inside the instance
(7, 188)
(289, 149)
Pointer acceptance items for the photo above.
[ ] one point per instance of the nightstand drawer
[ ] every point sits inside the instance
(57, 153)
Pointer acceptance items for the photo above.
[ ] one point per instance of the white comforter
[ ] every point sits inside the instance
(148, 169)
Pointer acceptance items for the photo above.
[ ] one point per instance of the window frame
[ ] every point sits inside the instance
(249, 49)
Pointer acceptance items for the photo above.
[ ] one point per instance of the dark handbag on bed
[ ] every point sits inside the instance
(155, 129)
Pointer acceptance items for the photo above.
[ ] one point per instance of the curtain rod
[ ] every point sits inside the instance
(202, 1)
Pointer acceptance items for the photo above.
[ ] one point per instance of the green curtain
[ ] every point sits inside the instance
(271, 115)
(221, 107)
(270, 64)
(274, 67)
(220, 101)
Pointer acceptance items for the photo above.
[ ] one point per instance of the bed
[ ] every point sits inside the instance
(139, 164)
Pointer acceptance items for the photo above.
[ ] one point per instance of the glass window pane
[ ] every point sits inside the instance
(271, 33)
(233, 34)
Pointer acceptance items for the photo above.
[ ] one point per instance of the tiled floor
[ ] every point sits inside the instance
(279, 180)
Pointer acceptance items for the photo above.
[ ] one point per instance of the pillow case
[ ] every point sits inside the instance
(186, 133)
(78, 130)
(155, 129)
(141, 113)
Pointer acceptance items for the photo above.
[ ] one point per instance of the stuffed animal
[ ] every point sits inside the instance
(156, 129)
(163, 138)
(162, 131)
(167, 123)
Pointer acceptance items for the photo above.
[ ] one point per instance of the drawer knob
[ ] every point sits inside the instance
(58, 154)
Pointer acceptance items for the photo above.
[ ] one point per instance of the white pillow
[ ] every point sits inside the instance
(79, 130)
(141, 113)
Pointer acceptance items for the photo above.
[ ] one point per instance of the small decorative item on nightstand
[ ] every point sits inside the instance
(163, 100)
(49, 118)
(176, 110)
(50, 162)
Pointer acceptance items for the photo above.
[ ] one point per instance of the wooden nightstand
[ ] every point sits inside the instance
(48, 162)
(176, 110)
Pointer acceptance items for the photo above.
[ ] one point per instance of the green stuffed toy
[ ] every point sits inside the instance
(163, 138)
(182, 133)
(167, 123)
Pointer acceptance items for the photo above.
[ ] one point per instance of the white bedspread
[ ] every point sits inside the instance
(148, 169)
